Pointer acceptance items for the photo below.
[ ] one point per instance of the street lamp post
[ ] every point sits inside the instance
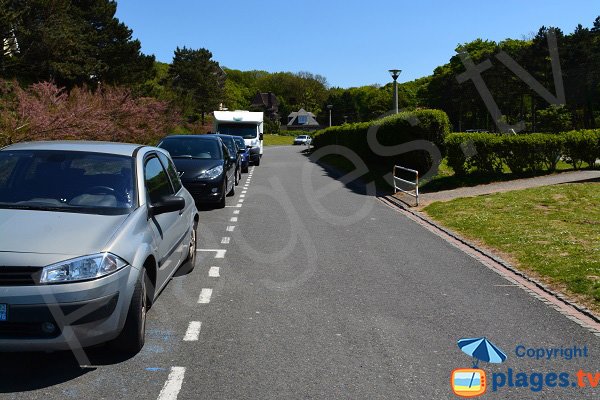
(395, 74)
(329, 106)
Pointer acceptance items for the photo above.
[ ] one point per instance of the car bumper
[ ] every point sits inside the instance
(205, 191)
(83, 314)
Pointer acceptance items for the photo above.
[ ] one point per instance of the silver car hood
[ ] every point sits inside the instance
(60, 233)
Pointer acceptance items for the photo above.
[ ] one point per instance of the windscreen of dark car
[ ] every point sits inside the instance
(247, 131)
(70, 181)
(231, 146)
(240, 142)
(193, 148)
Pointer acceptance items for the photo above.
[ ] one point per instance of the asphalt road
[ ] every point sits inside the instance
(322, 292)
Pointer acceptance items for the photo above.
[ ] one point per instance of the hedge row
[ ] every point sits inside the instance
(487, 152)
(430, 125)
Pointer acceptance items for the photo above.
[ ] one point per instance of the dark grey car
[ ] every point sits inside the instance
(90, 233)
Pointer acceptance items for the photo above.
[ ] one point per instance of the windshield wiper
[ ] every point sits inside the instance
(33, 207)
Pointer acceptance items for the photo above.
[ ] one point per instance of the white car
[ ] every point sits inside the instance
(302, 139)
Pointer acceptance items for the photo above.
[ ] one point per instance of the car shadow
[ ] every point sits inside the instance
(24, 372)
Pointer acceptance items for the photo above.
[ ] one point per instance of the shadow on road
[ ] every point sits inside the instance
(330, 168)
(23, 372)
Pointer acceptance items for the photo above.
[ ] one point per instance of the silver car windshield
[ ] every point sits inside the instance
(70, 181)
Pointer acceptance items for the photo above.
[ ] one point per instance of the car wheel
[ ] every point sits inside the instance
(222, 201)
(257, 161)
(245, 169)
(190, 261)
(232, 191)
(132, 337)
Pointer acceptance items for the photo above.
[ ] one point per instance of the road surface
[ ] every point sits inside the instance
(318, 292)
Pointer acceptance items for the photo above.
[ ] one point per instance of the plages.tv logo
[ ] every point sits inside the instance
(472, 382)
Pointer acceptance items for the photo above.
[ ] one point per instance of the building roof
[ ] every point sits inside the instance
(268, 100)
(310, 118)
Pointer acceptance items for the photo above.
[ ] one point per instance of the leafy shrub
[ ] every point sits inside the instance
(429, 125)
(521, 153)
(582, 146)
(46, 112)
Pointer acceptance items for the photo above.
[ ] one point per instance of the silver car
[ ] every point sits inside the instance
(90, 233)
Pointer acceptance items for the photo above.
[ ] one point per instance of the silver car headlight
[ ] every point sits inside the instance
(212, 173)
(82, 268)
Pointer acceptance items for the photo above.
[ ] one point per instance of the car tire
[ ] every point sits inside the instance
(132, 337)
(232, 191)
(190, 262)
(257, 161)
(222, 201)
(245, 169)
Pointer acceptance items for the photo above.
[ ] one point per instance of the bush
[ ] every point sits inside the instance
(534, 152)
(582, 146)
(430, 125)
(46, 112)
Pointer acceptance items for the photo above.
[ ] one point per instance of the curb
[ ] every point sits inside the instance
(557, 295)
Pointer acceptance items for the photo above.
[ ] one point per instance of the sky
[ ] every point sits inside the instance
(350, 42)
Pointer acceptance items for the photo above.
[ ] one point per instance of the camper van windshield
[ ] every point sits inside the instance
(247, 131)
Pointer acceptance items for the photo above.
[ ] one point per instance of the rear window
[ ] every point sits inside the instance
(193, 148)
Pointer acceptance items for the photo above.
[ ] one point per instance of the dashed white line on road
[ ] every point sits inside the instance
(242, 196)
(193, 331)
(236, 211)
(213, 272)
(205, 295)
(233, 219)
(173, 384)
(230, 228)
(225, 240)
(219, 253)
(239, 205)
(241, 200)
(244, 191)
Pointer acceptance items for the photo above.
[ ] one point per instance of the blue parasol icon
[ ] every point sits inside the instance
(481, 349)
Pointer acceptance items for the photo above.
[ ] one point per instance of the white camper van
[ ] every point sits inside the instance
(246, 124)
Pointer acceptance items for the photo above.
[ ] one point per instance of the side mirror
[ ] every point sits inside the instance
(260, 136)
(167, 205)
(241, 151)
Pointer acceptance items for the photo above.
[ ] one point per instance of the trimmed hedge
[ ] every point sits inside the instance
(430, 125)
(487, 152)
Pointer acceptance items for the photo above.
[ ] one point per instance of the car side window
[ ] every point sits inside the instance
(157, 181)
(226, 152)
(171, 171)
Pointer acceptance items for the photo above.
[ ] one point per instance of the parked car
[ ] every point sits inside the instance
(205, 166)
(234, 154)
(244, 152)
(90, 233)
(303, 139)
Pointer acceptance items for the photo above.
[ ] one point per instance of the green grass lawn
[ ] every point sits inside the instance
(447, 180)
(552, 232)
(277, 140)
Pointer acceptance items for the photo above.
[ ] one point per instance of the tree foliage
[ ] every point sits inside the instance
(70, 42)
(197, 80)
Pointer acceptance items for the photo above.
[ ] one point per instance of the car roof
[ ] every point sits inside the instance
(202, 137)
(222, 135)
(125, 149)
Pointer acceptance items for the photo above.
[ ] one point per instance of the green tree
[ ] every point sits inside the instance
(73, 42)
(198, 81)
(554, 119)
